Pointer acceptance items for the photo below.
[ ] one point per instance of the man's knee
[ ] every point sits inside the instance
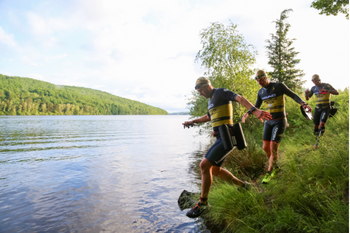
(205, 165)
(274, 144)
(266, 146)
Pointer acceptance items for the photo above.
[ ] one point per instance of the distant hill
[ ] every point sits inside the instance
(26, 96)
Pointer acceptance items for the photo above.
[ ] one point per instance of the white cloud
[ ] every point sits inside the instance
(9, 59)
(29, 61)
(38, 24)
(56, 57)
(7, 39)
(145, 50)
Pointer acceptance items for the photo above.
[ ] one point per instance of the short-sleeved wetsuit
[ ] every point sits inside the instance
(273, 98)
(220, 112)
(322, 102)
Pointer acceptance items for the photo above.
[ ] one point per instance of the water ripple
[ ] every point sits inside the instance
(94, 174)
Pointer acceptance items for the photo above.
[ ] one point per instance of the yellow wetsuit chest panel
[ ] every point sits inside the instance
(322, 100)
(273, 98)
(221, 114)
(220, 108)
(275, 104)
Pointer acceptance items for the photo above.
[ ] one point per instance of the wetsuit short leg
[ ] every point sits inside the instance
(274, 130)
(217, 153)
(321, 115)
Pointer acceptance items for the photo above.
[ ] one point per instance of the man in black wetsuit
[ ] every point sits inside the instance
(323, 93)
(220, 111)
(272, 94)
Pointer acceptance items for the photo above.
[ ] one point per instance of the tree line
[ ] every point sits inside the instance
(26, 96)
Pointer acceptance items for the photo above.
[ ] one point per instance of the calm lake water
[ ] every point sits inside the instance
(97, 173)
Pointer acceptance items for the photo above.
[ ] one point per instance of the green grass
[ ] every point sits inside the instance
(310, 194)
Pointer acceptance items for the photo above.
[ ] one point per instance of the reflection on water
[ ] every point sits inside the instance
(97, 173)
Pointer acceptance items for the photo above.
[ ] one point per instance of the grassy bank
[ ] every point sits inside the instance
(310, 194)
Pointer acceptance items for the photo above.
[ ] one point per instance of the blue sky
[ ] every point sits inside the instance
(145, 50)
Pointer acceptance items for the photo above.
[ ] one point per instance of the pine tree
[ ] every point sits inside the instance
(282, 56)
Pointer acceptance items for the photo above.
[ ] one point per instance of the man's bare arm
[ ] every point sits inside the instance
(202, 119)
(258, 113)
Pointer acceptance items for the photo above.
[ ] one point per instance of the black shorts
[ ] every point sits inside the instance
(217, 153)
(321, 115)
(274, 130)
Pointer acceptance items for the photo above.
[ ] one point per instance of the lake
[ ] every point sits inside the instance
(97, 173)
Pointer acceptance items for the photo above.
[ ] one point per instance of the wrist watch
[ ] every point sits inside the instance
(251, 110)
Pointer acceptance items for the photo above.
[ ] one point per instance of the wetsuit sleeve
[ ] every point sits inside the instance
(291, 94)
(228, 95)
(329, 87)
(258, 102)
(311, 92)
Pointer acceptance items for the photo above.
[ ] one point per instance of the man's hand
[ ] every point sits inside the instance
(188, 124)
(245, 117)
(307, 94)
(202, 119)
(322, 91)
(262, 115)
(307, 106)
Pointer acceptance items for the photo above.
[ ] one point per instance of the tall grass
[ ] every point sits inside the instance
(310, 194)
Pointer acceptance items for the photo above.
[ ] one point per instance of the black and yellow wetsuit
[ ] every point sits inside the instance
(220, 112)
(273, 98)
(322, 102)
(220, 108)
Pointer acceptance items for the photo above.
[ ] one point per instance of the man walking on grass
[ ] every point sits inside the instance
(272, 94)
(323, 92)
(220, 111)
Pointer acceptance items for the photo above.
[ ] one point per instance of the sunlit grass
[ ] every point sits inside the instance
(310, 194)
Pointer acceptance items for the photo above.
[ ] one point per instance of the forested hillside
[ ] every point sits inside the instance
(26, 96)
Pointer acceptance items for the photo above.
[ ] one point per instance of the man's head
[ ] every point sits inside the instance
(204, 87)
(316, 79)
(261, 78)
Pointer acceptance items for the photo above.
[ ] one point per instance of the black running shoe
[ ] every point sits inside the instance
(197, 210)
